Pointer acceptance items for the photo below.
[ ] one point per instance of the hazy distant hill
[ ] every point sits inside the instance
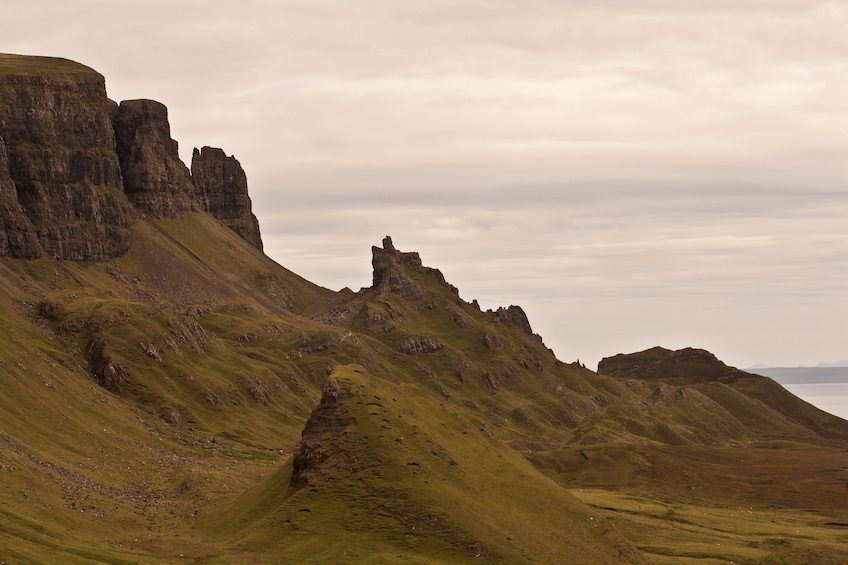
(804, 375)
(843, 363)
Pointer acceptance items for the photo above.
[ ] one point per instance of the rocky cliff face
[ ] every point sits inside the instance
(388, 270)
(61, 159)
(76, 169)
(222, 184)
(17, 234)
(156, 181)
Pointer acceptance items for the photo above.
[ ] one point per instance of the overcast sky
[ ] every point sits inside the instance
(632, 173)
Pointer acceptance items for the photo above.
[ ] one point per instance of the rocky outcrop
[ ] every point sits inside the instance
(682, 367)
(222, 184)
(514, 316)
(156, 181)
(76, 169)
(389, 270)
(159, 184)
(327, 421)
(105, 369)
(416, 345)
(61, 159)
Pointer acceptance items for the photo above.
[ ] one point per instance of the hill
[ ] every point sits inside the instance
(171, 394)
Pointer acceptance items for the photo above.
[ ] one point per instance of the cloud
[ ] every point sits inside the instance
(633, 174)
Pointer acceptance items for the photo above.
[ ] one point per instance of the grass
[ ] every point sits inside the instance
(225, 355)
(32, 66)
(411, 479)
(685, 533)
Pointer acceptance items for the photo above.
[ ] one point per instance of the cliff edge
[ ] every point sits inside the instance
(77, 169)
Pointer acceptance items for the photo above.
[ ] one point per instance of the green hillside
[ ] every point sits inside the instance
(153, 406)
(155, 401)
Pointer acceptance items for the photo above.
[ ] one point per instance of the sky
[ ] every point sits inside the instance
(631, 173)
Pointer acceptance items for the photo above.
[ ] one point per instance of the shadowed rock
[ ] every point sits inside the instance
(328, 419)
(221, 183)
(156, 181)
(17, 234)
(390, 266)
(60, 157)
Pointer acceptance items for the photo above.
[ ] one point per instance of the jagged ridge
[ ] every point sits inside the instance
(76, 169)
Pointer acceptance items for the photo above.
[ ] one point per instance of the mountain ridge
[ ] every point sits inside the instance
(77, 168)
(172, 394)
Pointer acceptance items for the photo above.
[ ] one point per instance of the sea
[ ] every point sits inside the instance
(825, 388)
(830, 397)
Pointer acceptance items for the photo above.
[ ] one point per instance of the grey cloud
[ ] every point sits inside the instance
(632, 173)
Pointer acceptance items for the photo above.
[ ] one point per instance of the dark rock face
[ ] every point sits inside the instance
(76, 169)
(220, 181)
(156, 181)
(105, 369)
(684, 366)
(60, 156)
(327, 421)
(389, 266)
(17, 234)
(7, 187)
(514, 316)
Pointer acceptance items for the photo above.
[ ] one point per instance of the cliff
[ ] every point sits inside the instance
(156, 181)
(193, 399)
(222, 184)
(54, 121)
(17, 234)
(76, 170)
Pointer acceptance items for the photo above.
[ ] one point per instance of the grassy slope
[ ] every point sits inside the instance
(81, 465)
(222, 360)
(29, 65)
(413, 478)
(671, 532)
(128, 473)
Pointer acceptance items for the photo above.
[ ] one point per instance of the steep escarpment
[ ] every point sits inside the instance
(156, 181)
(17, 234)
(222, 184)
(61, 159)
(76, 169)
